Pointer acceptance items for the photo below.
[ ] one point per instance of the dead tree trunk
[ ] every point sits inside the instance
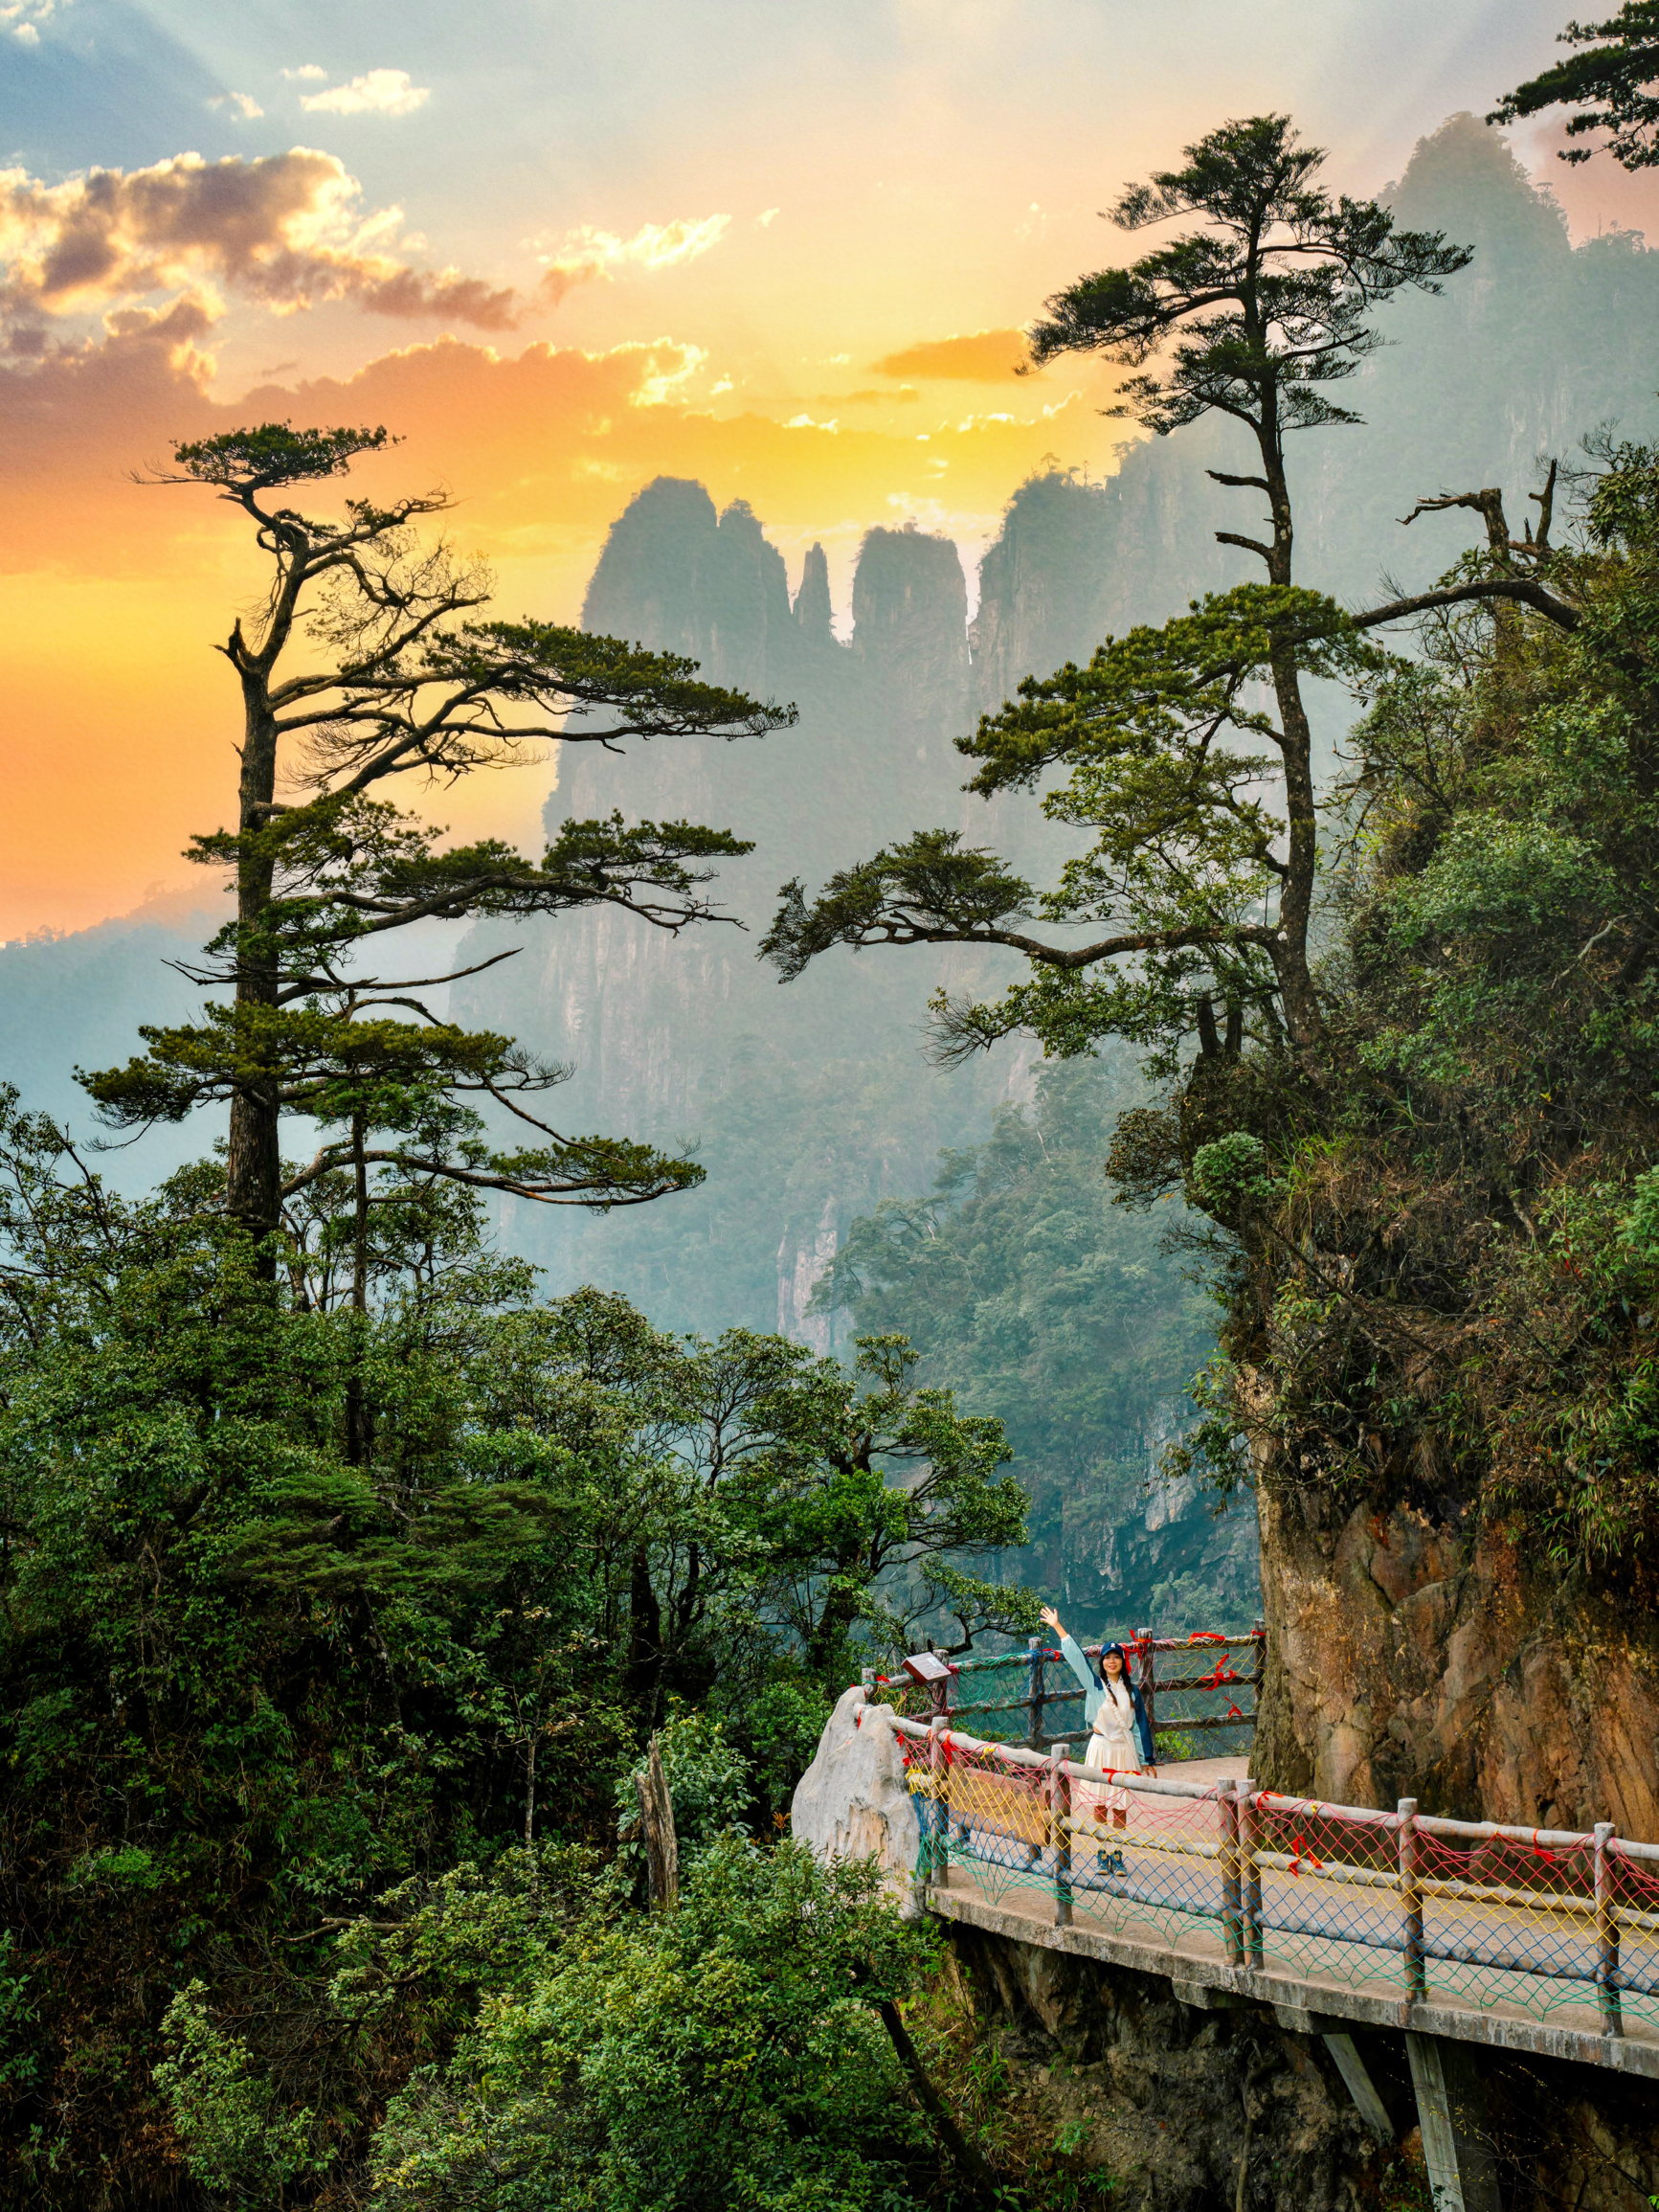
(657, 1826)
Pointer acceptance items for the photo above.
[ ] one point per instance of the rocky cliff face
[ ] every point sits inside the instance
(1416, 1657)
(1130, 1541)
(809, 1103)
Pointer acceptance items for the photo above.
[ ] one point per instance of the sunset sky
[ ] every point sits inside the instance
(561, 248)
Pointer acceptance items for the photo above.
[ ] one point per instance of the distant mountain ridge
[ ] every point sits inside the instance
(76, 1000)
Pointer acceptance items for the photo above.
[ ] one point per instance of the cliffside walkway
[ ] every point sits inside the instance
(1533, 1940)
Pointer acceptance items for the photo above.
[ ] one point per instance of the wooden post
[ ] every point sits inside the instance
(1034, 1697)
(1249, 1872)
(1059, 1814)
(939, 1691)
(656, 1825)
(1231, 1930)
(1148, 1685)
(1034, 1702)
(1608, 1933)
(939, 1803)
(1411, 1904)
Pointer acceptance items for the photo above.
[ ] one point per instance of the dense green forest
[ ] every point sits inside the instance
(309, 1749)
(352, 1575)
(1021, 1285)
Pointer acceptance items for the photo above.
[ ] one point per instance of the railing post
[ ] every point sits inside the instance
(1231, 1930)
(1249, 1871)
(1059, 1815)
(939, 1692)
(1034, 1698)
(1147, 1684)
(1411, 1904)
(939, 1801)
(1608, 1933)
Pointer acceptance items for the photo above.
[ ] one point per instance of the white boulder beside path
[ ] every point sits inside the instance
(852, 1802)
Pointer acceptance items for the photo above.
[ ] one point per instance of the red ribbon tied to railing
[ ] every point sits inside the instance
(1302, 1852)
(1233, 1713)
(1206, 1636)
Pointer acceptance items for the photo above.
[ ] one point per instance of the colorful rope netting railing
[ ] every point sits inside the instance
(1201, 1692)
(1392, 1904)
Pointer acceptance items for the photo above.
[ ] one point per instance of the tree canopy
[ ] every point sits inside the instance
(307, 1598)
(1187, 750)
(1610, 83)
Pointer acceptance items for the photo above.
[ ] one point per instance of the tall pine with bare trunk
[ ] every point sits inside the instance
(372, 660)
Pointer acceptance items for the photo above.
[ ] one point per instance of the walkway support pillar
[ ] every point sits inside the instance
(1357, 2078)
(1451, 2110)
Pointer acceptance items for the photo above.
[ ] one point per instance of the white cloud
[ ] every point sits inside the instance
(381, 92)
(22, 18)
(584, 255)
(308, 71)
(241, 104)
(286, 230)
(669, 366)
(764, 220)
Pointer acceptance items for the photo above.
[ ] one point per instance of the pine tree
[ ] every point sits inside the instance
(374, 658)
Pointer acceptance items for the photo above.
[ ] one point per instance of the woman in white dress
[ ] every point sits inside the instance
(1120, 1739)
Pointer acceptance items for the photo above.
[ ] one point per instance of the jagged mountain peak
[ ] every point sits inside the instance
(1465, 179)
(814, 614)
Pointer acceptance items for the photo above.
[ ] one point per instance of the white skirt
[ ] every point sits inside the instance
(1111, 1754)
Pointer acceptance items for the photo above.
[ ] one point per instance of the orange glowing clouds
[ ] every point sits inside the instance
(559, 251)
(118, 589)
(285, 231)
(975, 357)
